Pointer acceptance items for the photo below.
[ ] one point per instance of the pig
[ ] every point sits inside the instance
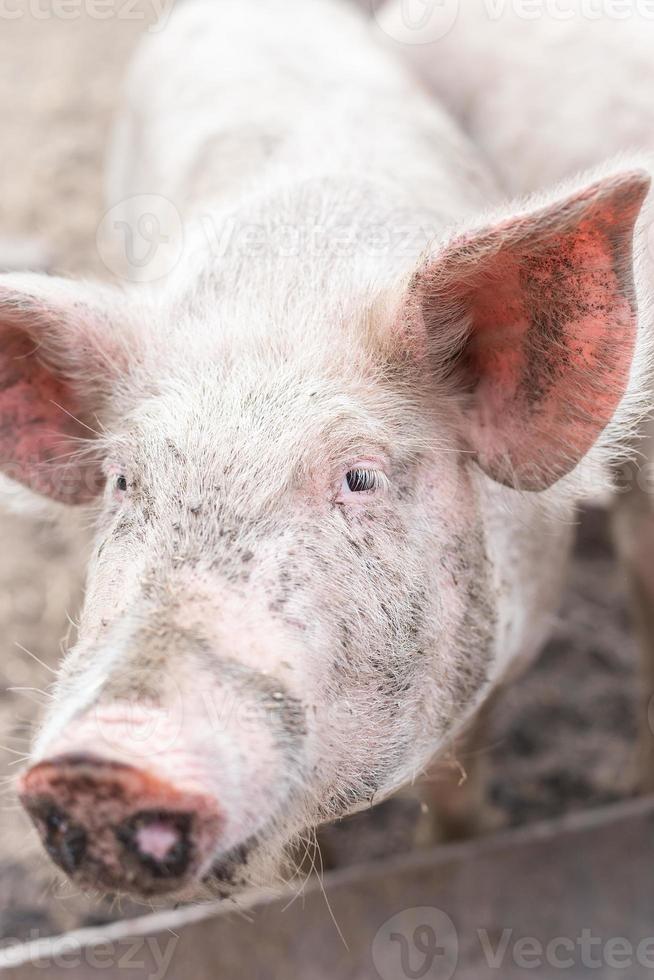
(332, 451)
(547, 91)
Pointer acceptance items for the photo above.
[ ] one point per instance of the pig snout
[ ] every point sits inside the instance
(111, 824)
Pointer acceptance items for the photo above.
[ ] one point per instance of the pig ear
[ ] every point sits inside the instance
(55, 362)
(549, 303)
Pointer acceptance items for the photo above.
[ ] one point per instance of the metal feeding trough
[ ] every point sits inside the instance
(570, 898)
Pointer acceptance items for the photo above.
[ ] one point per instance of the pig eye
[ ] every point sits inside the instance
(121, 483)
(361, 480)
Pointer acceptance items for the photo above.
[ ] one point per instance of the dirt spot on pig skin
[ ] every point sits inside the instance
(176, 452)
(160, 643)
(230, 869)
(284, 711)
(469, 563)
(559, 298)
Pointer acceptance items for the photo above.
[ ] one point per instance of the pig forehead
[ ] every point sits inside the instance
(283, 414)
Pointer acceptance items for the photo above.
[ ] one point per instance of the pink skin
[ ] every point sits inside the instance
(144, 737)
(157, 840)
(179, 745)
(37, 424)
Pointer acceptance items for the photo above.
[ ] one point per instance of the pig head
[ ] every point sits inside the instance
(301, 586)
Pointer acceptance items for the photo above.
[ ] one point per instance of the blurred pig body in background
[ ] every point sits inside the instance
(546, 90)
(333, 450)
(546, 93)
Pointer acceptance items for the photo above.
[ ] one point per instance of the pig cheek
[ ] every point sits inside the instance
(455, 556)
(377, 621)
(450, 510)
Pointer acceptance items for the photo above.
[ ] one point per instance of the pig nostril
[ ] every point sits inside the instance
(160, 840)
(64, 840)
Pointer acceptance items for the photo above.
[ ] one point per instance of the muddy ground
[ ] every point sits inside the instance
(561, 739)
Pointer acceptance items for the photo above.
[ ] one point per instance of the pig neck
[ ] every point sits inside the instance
(354, 187)
(395, 185)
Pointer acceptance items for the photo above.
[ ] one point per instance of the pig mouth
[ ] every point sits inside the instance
(110, 825)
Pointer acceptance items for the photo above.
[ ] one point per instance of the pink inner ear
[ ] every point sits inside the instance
(36, 432)
(553, 333)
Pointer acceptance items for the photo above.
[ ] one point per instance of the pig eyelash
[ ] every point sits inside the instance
(361, 482)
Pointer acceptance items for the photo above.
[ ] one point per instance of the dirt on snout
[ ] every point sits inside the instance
(561, 739)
